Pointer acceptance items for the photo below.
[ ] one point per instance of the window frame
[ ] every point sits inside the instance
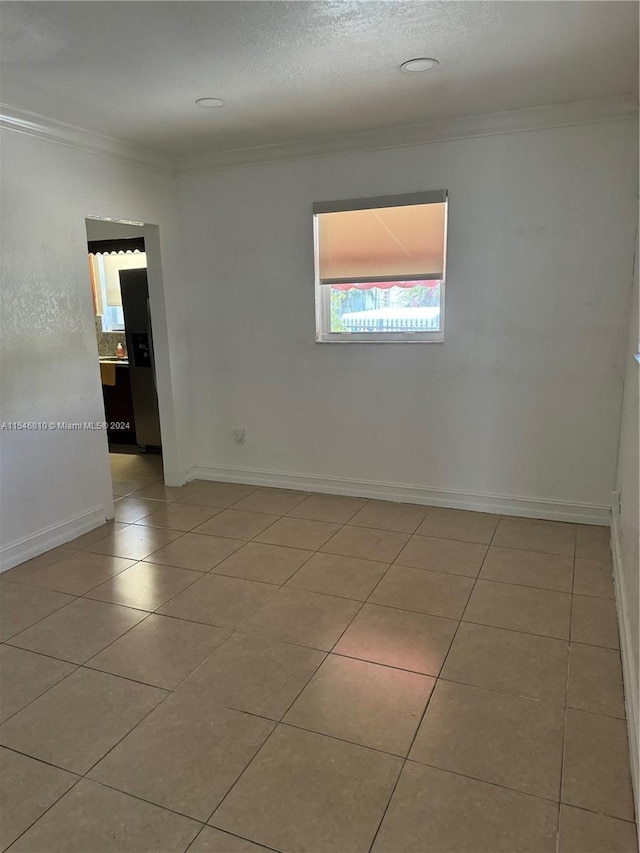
(324, 335)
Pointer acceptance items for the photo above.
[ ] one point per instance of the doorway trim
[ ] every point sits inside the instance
(173, 472)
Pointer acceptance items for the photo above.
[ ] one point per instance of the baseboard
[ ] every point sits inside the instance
(502, 504)
(629, 672)
(32, 546)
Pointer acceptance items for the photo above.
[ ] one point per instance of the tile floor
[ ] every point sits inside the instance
(227, 668)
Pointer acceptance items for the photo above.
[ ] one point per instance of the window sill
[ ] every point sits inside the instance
(379, 339)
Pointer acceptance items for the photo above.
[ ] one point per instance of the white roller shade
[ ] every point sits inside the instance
(388, 240)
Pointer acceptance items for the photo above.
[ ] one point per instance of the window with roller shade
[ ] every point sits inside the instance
(105, 264)
(380, 268)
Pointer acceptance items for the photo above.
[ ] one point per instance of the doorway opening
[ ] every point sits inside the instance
(118, 259)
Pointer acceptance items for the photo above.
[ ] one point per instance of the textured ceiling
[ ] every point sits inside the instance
(295, 71)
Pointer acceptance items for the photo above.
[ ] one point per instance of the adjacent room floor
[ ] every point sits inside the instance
(230, 668)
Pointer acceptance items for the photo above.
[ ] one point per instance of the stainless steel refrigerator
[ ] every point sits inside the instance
(139, 337)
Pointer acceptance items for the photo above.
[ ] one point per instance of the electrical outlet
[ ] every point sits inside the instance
(238, 435)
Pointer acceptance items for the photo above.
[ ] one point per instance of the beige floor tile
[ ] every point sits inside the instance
(273, 501)
(42, 560)
(593, 543)
(548, 537)
(346, 577)
(304, 791)
(135, 462)
(178, 516)
(594, 622)
(304, 618)
(492, 736)
(182, 758)
(128, 510)
(213, 840)
(519, 608)
(254, 674)
(459, 524)
(78, 631)
(87, 539)
(363, 703)
(298, 533)
(196, 551)
(159, 492)
(398, 638)
(75, 573)
(267, 563)
(134, 542)
(432, 810)
(510, 662)
(236, 524)
(586, 832)
(27, 789)
(596, 773)
(595, 680)
(422, 591)
(21, 606)
(145, 586)
(389, 515)
(334, 508)
(218, 600)
(131, 464)
(528, 568)
(97, 819)
(24, 676)
(442, 555)
(366, 544)
(593, 578)
(217, 494)
(121, 488)
(79, 719)
(130, 485)
(161, 651)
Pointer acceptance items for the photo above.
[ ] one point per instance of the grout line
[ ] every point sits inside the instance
(130, 731)
(40, 695)
(484, 781)
(566, 706)
(102, 784)
(51, 805)
(232, 834)
(42, 618)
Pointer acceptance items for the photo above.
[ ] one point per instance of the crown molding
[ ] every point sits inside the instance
(512, 121)
(491, 124)
(42, 127)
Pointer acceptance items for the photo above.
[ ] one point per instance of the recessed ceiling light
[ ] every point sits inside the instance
(423, 63)
(210, 102)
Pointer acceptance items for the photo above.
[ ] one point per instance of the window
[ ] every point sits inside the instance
(104, 271)
(380, 269)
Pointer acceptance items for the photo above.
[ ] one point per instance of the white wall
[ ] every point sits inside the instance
(52, 480)
(626, 535)
(523, 398)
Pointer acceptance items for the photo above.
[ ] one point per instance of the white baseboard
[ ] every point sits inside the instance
(501, 504)
(32, 546)
(629, 671)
